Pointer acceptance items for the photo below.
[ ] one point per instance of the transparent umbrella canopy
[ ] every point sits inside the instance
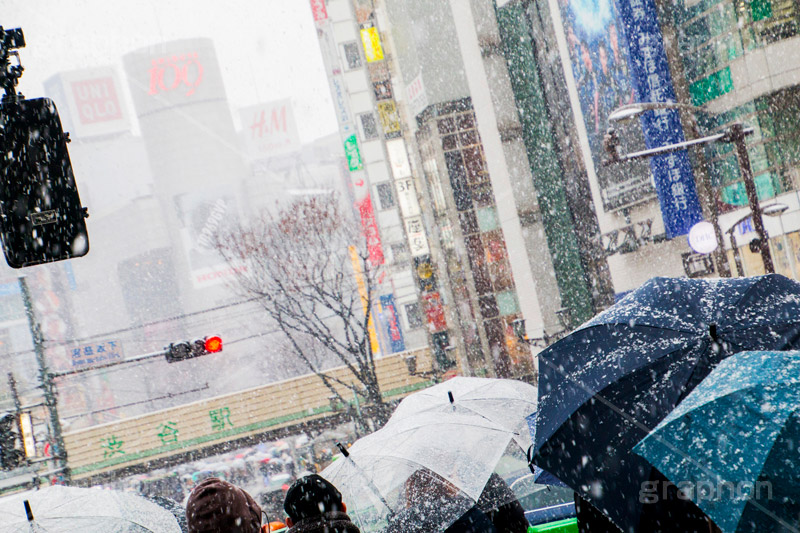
(60, 509)
(428, 469)
(505, 402)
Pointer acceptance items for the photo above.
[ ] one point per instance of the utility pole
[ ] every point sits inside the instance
(736, 135)
(12, 385)
(46, 380)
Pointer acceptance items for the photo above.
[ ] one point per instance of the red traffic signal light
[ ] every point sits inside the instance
(213, 344)
(178, 351)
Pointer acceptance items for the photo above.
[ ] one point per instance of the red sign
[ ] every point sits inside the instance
(318, 10)
(264, 127)
(370, 228)
(434, 312)
(96, 100)
(169, 73)
(271, 128)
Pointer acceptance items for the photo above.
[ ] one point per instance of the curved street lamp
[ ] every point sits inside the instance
(735, 134)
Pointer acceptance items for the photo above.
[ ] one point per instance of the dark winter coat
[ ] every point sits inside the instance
(331, 522)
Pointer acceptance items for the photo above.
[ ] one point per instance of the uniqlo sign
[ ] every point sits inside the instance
(96, 100)
(90, 101)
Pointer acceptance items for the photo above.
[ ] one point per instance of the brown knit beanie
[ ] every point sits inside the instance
(216, 506)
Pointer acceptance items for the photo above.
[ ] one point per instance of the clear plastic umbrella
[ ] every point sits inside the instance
(424, 470)
(505, 402)
(59, 509)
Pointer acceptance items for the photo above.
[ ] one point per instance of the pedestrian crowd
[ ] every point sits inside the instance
(314, 505)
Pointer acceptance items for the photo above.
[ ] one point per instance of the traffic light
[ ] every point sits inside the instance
(41, 216)
(10, 456)
(178, 351)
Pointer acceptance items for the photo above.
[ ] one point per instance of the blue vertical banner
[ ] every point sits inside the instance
(672, 173)
(391, 323)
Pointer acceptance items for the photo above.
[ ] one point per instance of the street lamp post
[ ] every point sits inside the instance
(735, 134)
(772, 210)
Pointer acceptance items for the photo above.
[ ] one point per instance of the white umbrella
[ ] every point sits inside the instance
(59, 509)
(449, 458)
(505, 402)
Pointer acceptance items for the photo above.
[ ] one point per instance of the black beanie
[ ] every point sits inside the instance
(311, 496)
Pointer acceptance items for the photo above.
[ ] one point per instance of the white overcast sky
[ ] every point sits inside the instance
(267, 49)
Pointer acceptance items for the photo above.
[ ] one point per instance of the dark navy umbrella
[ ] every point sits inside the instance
(605, 386)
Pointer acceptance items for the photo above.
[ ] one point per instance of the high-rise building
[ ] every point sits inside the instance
(381, 184)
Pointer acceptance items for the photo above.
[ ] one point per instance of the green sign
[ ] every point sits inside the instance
(352, 153)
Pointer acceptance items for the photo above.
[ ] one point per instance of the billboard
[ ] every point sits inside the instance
(599, 66)
(90, 102)
(201, 214)
(173, 74)
(270, 129)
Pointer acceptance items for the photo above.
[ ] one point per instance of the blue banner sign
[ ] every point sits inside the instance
(674, 179)
(391, 323)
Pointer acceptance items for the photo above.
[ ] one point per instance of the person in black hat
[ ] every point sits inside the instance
(314, 505)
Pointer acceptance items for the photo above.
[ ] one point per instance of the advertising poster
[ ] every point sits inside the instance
(600, 68)
(202, 213)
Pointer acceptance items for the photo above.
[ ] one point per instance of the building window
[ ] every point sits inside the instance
(399, 251)
(352, 55)
(413, 315)
(385, 195)
(369, 126)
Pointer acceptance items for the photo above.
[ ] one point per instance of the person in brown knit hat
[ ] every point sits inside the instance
(216, 506)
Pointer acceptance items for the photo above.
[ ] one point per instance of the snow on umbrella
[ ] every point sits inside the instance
(606, 385)
(88, 510)
(732, 444)
(426, 470)
(506, 402)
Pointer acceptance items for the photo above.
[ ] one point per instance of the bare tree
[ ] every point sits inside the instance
(308, 266)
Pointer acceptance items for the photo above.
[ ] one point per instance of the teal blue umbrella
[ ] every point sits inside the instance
(733, 445)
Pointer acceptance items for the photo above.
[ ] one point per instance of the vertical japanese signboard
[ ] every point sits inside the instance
(371, 40)
(318, 10)
(370, 228)
(352, 153)
(674, 179)
(391, 323)
(417, 98)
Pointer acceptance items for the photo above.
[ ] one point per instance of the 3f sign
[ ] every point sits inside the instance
(276, 124)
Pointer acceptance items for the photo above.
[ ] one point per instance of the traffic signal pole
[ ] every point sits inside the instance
(12, 385)
(46, 380)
